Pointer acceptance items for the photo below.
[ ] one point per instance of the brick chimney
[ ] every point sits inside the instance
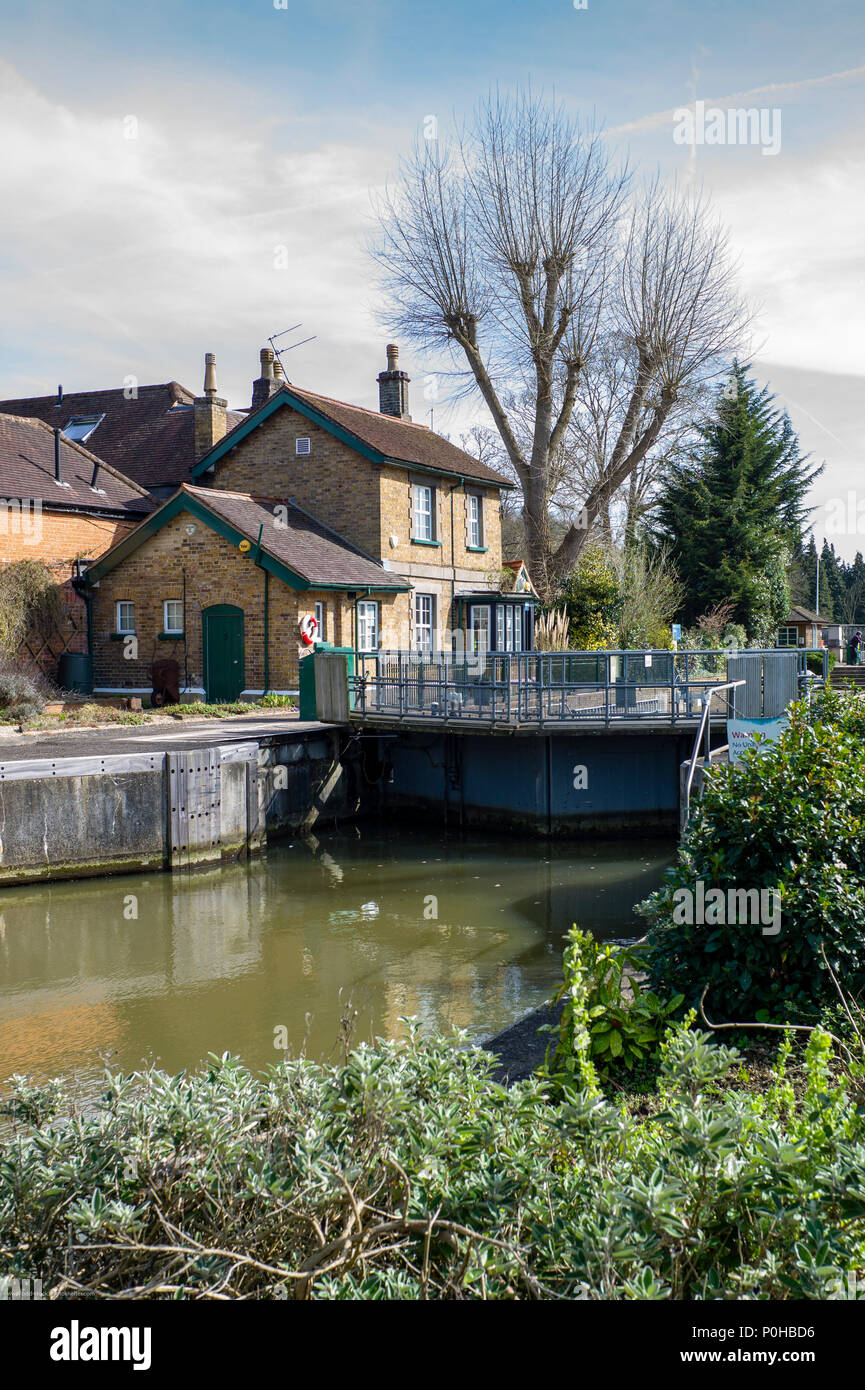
(209, 411)
(393, 387)
(268, 383)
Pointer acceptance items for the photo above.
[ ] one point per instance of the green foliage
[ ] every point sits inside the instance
(407, 1173)
(197, 709)
(590, 594)
(732, 511)
(621, 599)
(30, 601)
(789, 819)
(273, 701)
(609, 1019)
(814, 662)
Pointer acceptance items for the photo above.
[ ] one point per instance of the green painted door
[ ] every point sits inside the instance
(224, 664)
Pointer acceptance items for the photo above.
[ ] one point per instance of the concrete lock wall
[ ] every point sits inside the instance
(166, 811)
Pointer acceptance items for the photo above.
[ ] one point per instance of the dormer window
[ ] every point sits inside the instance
(302, 446)
(81, 427)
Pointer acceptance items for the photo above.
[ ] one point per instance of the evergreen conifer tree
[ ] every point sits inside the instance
(734, 510)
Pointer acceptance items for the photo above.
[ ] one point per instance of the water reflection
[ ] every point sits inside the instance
(168, 968)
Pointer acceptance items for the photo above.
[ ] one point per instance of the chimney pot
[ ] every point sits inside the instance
(209, 418)
(268, 383)
(210, 387)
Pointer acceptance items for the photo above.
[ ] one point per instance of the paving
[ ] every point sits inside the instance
(150, 738)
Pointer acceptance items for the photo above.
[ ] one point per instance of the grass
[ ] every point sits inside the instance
(91, 715)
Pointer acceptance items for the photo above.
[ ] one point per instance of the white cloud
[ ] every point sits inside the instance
(137, 255)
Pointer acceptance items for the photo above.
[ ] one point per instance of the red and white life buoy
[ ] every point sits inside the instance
(308, 629)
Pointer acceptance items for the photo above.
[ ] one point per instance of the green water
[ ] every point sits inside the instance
(380, 924)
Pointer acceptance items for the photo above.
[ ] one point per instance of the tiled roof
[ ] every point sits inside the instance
(27, 471)
(396, 439)
(149, 438)
(805, 615)
(296, 539)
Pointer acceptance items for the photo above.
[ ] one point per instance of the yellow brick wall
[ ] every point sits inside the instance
(216, 572)
(369, 503)
(338, 486)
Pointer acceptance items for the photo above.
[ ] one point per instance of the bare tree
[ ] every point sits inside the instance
(519, 250)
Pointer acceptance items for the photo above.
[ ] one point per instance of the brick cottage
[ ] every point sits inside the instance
(386, 534)
(62, 506)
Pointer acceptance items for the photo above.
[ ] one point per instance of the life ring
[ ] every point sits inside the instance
(308, 629)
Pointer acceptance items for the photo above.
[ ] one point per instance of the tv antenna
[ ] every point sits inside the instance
(290, 346)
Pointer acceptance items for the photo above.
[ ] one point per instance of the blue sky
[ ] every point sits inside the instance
(258, 128)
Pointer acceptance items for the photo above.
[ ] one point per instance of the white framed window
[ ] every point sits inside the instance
(479, 627)
(476, 520)
(172, 615)
(321, 619)
(367, 626)
(509, 637)
(125, 616)
(423, 523)
(424, 622)
(303, 446)
(788, 637)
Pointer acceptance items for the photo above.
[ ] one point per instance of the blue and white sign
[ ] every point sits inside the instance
(743, 733)
(677, 632)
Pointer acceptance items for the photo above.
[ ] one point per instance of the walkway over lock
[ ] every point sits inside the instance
(580, 689)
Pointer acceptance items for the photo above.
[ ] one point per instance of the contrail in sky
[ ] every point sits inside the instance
(660, 118)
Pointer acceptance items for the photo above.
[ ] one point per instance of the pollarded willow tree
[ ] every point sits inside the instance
(522, 249)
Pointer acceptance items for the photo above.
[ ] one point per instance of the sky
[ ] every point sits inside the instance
(185, 177)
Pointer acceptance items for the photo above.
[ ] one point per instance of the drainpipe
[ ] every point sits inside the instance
(460, 483)
(266, 631)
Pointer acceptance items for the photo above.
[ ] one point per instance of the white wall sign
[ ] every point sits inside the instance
(741, 733)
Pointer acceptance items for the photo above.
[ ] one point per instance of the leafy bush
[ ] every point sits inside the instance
(274, 701)
(30, 601)
(590, 593)
(608, 1017)
(407, 1173)
(814, 662)
(788, 819)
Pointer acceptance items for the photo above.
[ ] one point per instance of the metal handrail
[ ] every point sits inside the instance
(705, 727)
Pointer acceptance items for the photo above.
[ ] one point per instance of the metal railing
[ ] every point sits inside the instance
(532, 688)
(704, 733)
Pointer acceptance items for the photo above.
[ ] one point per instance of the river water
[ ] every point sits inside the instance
(379, 924)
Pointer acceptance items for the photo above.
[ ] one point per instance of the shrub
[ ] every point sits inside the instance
(788, 819)
(273, 701)
(609, 1020)
(407, 1173)
(22, 692)
(30, 601)
(814, 662)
